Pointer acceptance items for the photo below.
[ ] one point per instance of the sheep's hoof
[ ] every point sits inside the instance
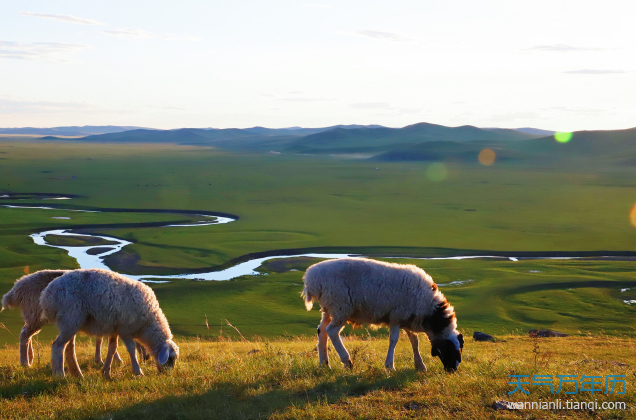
(420, 367)
(348, 364)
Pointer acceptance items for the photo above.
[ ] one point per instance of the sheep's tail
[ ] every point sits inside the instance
(309, 299)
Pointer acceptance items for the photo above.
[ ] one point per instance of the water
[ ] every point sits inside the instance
(86, 260)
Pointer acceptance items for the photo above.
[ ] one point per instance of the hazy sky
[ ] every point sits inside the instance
(562, 65)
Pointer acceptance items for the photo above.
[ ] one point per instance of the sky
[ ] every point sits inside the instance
(558, 65)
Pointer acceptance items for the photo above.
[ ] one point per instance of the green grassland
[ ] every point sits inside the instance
(328, 203)
(224, 378)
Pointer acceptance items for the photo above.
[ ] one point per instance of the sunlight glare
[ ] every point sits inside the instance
(562, 137)
(436, 172)
(487, 157)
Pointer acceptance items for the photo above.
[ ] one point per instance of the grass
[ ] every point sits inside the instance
(291, 202)
(225, 379)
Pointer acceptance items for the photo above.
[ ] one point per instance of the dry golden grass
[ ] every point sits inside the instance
(281, 380)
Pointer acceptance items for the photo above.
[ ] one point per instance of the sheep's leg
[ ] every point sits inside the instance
(112, 348)
(142, 352)
(98, 350)
(30, 350)
(118, 357)
(333, 331)
(26, 348)
(415, 343)
(132, 350)
(394, 335)
(71, 360)
(323, 356)
(57, 351)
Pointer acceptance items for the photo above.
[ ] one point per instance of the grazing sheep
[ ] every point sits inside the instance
(104, 303)
(362, 291)
(25, 294)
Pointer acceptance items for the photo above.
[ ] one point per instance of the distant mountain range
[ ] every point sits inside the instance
(86, 130)
(90, 130)
(584, 149)
(417, 142)
(334, 139)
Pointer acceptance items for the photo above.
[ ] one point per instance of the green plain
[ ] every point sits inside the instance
(287, 202)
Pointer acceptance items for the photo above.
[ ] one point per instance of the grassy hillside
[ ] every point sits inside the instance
(226, 379)
(336, 139)
(298, 202)
(378, 139)
(67, 131)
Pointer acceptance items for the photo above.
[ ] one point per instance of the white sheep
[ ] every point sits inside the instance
(104, 303)
(25, 295)
(363, 291)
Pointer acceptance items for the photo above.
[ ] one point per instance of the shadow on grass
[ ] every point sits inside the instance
(229, 401)
(30, 389)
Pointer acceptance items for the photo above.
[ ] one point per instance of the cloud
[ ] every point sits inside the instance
(581, 111)
(63, 18)
(322, 5)
(513, 116)
(372, 105)
(561, 48)
(387, 107)
(381, 35)
(50, 51)
(141, 34)
(11, 106)
(593, 71)
(304, 99)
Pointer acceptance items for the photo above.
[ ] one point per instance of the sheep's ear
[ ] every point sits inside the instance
(460, 338)
(434, 351)
(163, 354)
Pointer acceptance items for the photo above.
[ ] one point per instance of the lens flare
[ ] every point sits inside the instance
(487, 157)
(436, 172)
(562, 137)
(632, 215)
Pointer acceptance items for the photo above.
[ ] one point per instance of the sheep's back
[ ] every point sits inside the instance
(103, 295)
(370, 290)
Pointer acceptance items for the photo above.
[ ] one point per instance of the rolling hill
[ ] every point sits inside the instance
(616, 147)
(86, 130)
(378, 139)
(417, 142)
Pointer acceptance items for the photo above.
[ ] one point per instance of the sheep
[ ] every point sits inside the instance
(363, 291)
(103, 303)
(25, 294)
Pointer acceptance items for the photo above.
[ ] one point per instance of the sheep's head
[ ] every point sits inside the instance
(449, 350)
(167, 356)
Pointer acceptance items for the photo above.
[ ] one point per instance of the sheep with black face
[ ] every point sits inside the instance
(104, 303)
(363, 291)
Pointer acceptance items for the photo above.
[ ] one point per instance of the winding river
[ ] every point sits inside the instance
(93, 256)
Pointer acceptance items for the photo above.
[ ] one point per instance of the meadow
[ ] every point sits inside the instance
(327, 204)
(331, 204)
(218, 377)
